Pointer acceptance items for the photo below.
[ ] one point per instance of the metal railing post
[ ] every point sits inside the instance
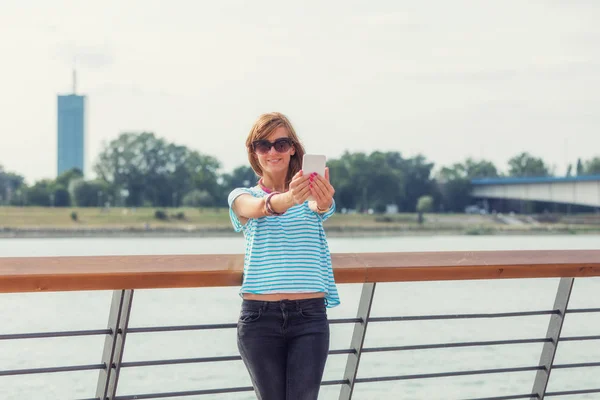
(555, 325)
(114, 344)
(358, 339)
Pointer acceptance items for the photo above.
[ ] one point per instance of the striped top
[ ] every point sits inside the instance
(286, 253)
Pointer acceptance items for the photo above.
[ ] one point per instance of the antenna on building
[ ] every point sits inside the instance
(74, 81)
(74, 77)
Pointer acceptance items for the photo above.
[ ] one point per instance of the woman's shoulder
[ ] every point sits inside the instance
(254, 191)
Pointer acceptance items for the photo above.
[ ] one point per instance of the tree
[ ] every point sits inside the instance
(68, 176)
(569, 170)
(10, 186)
(203, 170)
(579, 170)
(61, 196)
(243, 176)
(90, 193)
(339, 175)
(367, 181)
(470, 169)
(592, 167)
(526, 165)
(455, 194)
(41, 194)
(373, 181)
(383, 181)
(424, 204)
(198, 198)
(417, 181)
(454, 182)
(351, 189)
(154, 171)
(480, 169)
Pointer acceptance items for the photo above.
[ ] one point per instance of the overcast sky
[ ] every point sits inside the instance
(448, 79)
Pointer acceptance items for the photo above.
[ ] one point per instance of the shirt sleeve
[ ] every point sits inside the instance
(325, 216)
(235, 193)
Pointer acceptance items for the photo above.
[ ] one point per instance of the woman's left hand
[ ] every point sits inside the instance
(321, 190)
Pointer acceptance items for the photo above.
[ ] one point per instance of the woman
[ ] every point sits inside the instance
(283, 332)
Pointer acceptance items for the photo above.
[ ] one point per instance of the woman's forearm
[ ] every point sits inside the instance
(247, 206)
(281, 202)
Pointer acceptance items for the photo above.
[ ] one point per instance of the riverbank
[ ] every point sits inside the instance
(332, 233)
(39, 222)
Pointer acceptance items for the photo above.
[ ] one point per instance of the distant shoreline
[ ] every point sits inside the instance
(44, 222)
(332, 232)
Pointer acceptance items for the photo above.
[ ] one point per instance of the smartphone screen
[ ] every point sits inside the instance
(313, 163)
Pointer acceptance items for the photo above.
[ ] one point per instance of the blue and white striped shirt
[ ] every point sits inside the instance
(286, 253)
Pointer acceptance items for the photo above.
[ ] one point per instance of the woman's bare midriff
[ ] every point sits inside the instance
(283, 296)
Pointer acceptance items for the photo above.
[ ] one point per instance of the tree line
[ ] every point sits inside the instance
(143, 170)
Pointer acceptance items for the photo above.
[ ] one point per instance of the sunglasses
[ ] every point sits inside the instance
(263, 146)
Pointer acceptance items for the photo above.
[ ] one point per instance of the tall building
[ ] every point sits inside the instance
(71, 130)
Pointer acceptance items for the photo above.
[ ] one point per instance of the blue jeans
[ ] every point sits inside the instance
(284, 345)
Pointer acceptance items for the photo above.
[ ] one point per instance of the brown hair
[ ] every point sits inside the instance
(262, 129)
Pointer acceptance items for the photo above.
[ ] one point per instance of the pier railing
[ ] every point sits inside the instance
(124, 274)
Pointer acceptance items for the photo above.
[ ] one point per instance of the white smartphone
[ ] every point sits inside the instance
(313, 163)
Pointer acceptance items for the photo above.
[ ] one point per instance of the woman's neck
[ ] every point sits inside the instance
(274, 184)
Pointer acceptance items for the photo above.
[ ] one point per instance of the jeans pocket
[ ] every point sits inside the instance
(314, 312)
(249, 316)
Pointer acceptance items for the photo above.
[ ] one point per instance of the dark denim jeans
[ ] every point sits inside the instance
(284, 345)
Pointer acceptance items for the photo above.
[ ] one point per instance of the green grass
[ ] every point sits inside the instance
(44, 217)
(32, 218)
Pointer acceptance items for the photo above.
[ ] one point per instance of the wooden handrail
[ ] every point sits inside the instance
(35, 274)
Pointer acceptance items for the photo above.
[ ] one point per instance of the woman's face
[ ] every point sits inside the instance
(274, 153)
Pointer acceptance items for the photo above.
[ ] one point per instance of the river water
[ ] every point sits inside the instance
(21, 313)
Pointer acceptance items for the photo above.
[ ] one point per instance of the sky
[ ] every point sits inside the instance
(445, 79)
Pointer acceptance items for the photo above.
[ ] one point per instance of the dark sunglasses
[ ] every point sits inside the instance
(264, 146)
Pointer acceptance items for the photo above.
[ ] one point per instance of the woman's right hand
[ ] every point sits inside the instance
(299, 188)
